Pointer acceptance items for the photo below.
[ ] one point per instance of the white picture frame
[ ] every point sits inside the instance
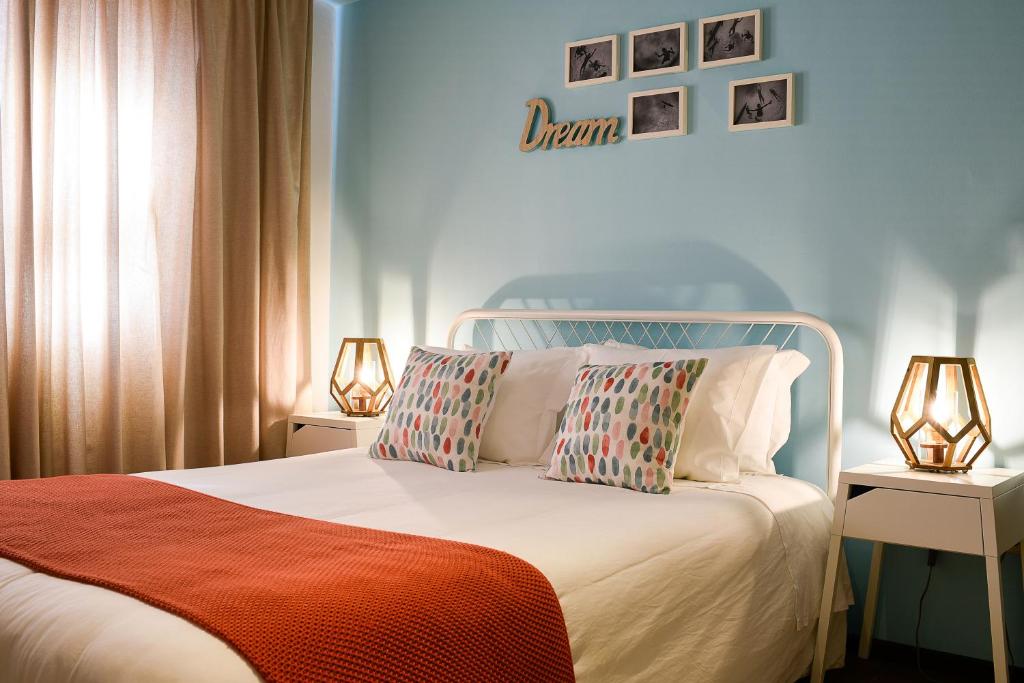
(652, 95)
(680, 47)
(575, 64)
(737, 117)
(735, 35)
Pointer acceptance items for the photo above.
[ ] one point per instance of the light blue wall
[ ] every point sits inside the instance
(894, 209)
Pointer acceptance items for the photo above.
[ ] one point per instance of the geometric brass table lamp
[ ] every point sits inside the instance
(940, 420)
(361, 383)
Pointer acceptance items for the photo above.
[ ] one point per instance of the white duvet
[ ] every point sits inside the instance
(709, 583)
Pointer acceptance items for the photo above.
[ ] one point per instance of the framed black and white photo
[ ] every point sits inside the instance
(730, 39)
(592, 61)
(658, 50)
(657, 113)
(765, 102)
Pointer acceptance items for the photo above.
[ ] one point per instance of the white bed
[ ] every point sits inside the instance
(713, 582)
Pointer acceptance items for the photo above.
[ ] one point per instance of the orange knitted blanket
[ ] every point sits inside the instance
(301, 599)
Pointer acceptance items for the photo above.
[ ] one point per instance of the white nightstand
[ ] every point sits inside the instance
(319, 432)
(980, 512)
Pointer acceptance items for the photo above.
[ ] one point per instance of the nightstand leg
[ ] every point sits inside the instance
(995, 617)
(292, 427)
(835, 547)
(867, 629)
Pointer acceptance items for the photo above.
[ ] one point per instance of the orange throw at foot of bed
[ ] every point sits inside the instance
(300, 599)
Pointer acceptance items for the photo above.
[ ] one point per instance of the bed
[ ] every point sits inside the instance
(725, 588)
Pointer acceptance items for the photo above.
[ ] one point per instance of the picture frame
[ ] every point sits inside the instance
(739, 33)
(582, 55)
(751, 108)
(658, 113)
(658, 50)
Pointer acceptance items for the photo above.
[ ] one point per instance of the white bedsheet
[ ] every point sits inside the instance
(709, 583)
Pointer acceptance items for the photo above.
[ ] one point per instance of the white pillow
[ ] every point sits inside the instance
(785, 367)
(523, 420)
(770, 419)
(717, 432)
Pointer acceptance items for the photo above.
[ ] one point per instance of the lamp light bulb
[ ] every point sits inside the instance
(368, 373)
(940, 411)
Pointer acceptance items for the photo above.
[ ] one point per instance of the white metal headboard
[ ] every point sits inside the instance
(517, 329)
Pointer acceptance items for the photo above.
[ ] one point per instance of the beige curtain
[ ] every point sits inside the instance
(154, 168)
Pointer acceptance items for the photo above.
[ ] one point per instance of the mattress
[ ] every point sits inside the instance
(712, 582)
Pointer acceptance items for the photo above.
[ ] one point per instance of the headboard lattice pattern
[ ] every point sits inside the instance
(513, 330)
(520, 334)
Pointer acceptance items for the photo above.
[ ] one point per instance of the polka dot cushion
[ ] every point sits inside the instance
(623, 423)
(440, 406)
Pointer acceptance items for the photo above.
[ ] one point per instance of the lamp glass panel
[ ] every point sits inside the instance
(371, 373)
(979, 392)
(346, 368)
(371, 369)
(969, 448)
(951, 408)
(361, 375)
(910, 405)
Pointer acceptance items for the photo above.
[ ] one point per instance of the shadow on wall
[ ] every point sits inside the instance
(953, 297)
(950, 310)
(708, 277)
(998, 331)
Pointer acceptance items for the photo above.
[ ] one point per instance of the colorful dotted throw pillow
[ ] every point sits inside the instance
(440, 406)
(623, 423)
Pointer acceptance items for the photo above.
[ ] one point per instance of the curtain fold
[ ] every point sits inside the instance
(154, 176)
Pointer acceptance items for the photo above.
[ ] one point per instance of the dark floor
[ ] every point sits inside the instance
(892, 663)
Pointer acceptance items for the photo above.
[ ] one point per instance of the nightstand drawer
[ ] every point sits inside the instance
(925, 520)
(308, 439)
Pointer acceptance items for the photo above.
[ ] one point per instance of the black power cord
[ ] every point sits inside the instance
(933, 556)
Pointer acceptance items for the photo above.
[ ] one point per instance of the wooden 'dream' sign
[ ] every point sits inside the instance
(565, 134)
